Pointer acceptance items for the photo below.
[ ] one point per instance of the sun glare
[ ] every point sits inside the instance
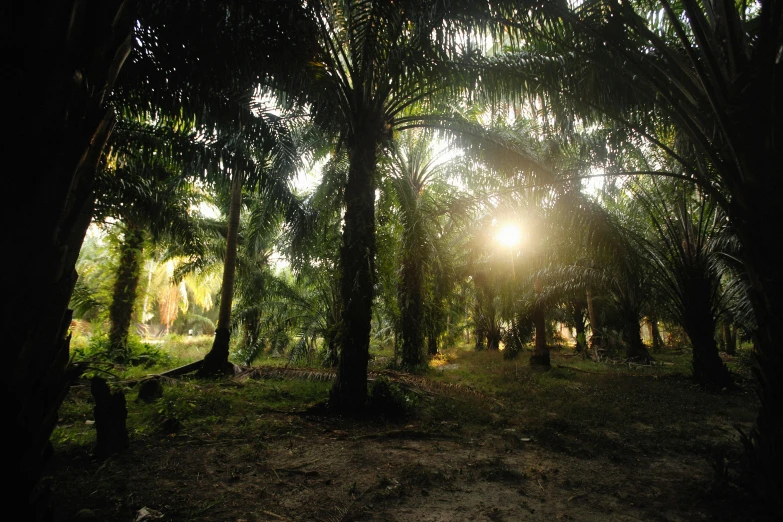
(509, 235)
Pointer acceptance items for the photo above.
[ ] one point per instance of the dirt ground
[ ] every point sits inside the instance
(334, 471)
(320, 467)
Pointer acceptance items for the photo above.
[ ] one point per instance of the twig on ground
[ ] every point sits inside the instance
(578, 369)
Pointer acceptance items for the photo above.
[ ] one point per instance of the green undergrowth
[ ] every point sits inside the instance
(189, 408)
(578, 407)
(157, 355)
(146, 356)
(590, 410)
(218, 410)
(389, 399)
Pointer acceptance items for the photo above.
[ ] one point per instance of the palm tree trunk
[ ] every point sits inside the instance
(765, 440)
(734, 339)
(655, 335)
(216, 361)
(250, 335)
(357, 260)
(540, 355)
(145, 307)
(467, 315)
(432, 344)
(729, 338)
(596, 341)
(493, 337)
(579, 326)
(635, 350)
(708, 368)
(332, 335)
(124, 294)
(698, 321)
(581, 339)
(412, 310)
(478, 332)
(61, 59)
(755, 185)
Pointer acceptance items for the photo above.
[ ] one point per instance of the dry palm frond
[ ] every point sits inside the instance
(278, 372)
(168, 303)
(339, 515)
(415, 383)
(432, 387)
(164, 380)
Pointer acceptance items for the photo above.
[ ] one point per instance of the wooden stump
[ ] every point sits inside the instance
(111, 414)
(150, 390)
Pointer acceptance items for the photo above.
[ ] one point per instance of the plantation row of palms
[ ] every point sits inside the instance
(147, 106)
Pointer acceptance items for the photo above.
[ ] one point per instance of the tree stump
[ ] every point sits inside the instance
(540, 361)
(111, 414)
(150, 390)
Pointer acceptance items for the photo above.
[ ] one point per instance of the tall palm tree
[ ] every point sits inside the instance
(63, 68)
(216, 361)
(278, 164)
(245, 254)
(60, 68)
(258, 151)
(683, 254)
(145, 195)
(179, 76)
(369, 62)
(414, 168)
(711, 72)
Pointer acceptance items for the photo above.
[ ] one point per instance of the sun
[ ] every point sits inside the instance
(509, 235)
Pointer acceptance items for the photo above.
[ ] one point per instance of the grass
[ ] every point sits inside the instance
(213, 411)
(579, 407)
(579, 411)
(589, 409)
(216, 411)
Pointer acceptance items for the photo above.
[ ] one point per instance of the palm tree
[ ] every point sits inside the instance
(605, 258)
(278, 164)
(216, 361)
(260, 298)
(144, 195)
(683, 253)
(711, 72)
(486, 317)
(180, 77)
(61, 68)
(64, 68)
(414, 168)
(260, 148)
(369, 62)
(445, 304)
(124, 293)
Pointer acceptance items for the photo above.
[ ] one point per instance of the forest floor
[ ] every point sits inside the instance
(483, 439)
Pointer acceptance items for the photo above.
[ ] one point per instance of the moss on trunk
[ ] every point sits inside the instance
(124, 294)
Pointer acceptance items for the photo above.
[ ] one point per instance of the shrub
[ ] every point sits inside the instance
(139, 353)
(517, 337)
(389, 399)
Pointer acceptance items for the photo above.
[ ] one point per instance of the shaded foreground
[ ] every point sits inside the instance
(487, 439)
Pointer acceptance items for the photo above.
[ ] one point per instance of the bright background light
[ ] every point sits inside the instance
(509, 235)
